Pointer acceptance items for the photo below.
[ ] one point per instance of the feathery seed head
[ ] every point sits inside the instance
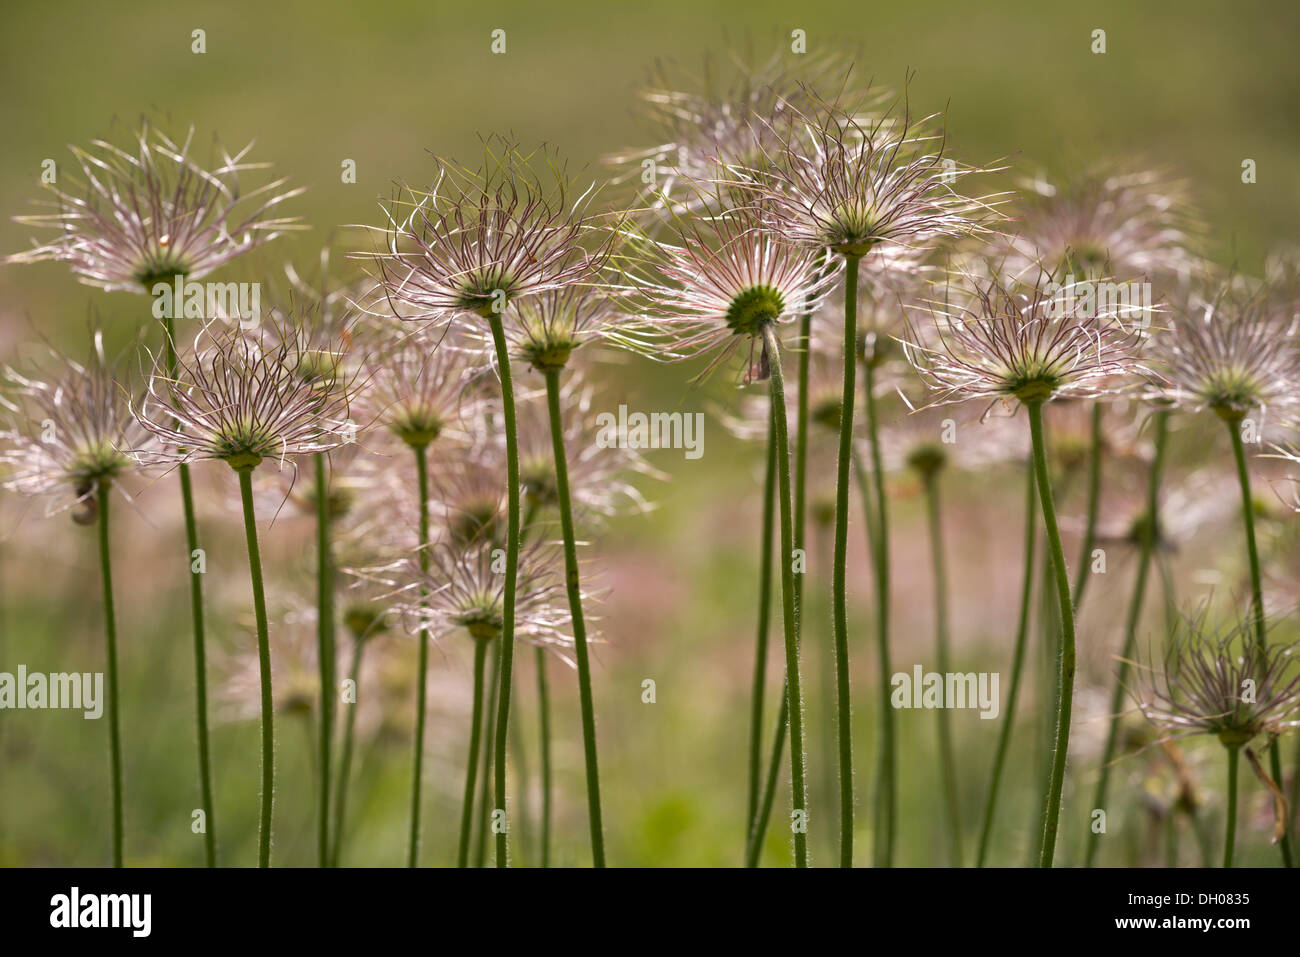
(151, 211)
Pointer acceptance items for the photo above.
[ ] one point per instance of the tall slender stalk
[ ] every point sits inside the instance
(110, 639)
(794, 693)
(760, 644)
(484, 816)
(471, 762)
(196, 615)
(1017, 664)
(544, 729)
(1067, 657)
(1150, 531)
(507, 659)
(264, 666)
(839, 569)
(422, 666)
(888, 759)
(345, 754)
(1094, 503)
(1230, 834)
(1256, 594)
(948, 760)
(324, 648)
(573, 586)
(763, 812)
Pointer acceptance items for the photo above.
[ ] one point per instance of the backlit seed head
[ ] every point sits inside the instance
(149, 211)
(1231, 351)
(244, 399)
(846, 179)
(479, 241)
(68, 431)
(1015, 340)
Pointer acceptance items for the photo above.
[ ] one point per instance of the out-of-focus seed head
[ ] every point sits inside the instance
(1219, 681)
(68, 431)
(1231, 351)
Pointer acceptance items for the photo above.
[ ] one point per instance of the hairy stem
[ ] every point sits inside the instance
(110, 640)
(888, 782)
(1067, 658)
(1256, 596)
(574, 589)
(760, 644)
(1094, 502)
(471, 762)
(196, 616)
(1150, 538)
(544, 729)
(490, 692)
(1230, 835)
(264, 667)
(505, 669)
(345, 754)
(324, 647)
(948, 760)
(839, 568)
(794, 694)
(422, 665)
(1017, 664)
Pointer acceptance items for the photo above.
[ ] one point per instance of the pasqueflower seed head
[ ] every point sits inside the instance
(1013, 340)
(68, 432)
(1230, 352)
(722, 281)
(242, 399)
(1219, 681)
(847, 182)
(480, 239)
(151, 211)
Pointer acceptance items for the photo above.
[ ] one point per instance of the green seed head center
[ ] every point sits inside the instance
(754, 308)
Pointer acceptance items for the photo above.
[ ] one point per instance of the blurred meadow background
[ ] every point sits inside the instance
(1196, 87)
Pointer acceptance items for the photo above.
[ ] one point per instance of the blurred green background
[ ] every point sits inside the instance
(1199, 86)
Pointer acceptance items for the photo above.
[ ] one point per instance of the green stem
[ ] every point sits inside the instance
(794, 694)
(759, 822)
(264, 665)
(839, 569)
(1150, 537)
(506, 667)
(491, 690)
(947, 756)
(324, 647)
(866, 489)
(1094, 503)
(110, 637)
(544, 714)
(345, 755)
(1230, 837)
(196, 615)
(888, 783)
(1017, 664)
(471, 763)
(760, 645)
(1257, 596)
(574, 589)
(1066, 694)
(422, 666)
